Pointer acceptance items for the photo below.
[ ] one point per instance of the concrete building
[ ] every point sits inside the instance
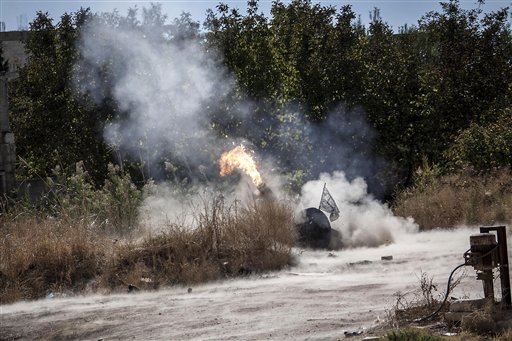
(14, 51)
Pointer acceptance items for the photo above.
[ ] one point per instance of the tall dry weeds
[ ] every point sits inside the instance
(71, 253)
(464, 198)
(228, 241)
(41, 256)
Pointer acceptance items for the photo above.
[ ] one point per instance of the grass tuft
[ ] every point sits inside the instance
(410, 334)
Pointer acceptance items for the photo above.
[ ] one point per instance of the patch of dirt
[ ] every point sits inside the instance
(321, 298)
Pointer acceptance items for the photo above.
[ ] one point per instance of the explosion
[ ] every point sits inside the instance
(241, 159)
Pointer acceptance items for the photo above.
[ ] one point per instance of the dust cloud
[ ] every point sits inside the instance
(364, 221)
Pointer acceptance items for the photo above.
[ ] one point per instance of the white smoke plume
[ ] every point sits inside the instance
(162, 87)
(364, 221)
(167, 204)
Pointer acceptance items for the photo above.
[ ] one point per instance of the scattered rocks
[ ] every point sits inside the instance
(362, 262)
(351, 334)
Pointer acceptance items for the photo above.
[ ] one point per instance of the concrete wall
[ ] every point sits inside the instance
(14, 50)
(7, 146)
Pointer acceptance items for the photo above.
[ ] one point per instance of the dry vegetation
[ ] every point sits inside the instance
(228, 241)
(39, 256)
(86, 240)
(464, 198)
(438, 200)
(415, 334)
(411, 318)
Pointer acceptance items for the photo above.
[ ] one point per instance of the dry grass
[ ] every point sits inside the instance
(464, 198)
(415, 334)
(415, 304)
(408, 323)
(39, 256)
(227, 242)
(410, 334)
(62, 254)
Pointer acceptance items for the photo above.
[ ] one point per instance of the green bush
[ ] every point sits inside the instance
(113, 207)
(483, 147)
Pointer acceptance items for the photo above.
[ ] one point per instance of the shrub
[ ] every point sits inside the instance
(410, 334)
(112, 208)
(463, 198)
(227, 241)
(39, 256)
(80, 234)
(483, 147)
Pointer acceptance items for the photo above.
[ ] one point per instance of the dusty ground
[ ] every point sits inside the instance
(324, 296)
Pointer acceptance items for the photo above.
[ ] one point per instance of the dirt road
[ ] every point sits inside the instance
(325, 295)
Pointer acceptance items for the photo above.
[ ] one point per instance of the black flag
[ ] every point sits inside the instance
(328, 204)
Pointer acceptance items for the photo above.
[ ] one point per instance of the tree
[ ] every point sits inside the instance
(483, 147)
(51, 126)
(466, 72)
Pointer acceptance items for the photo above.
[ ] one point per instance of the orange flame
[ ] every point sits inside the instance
(241, 159)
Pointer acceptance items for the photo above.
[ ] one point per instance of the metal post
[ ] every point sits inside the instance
(501, 231)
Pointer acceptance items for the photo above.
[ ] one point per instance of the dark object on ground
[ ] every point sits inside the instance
(314, 229)
(132, 288)
(244, 271)
(350, 334)
(362, 262)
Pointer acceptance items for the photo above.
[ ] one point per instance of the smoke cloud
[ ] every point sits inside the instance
(169, 92)
(163, 88)
(364, 221)
(343, 142)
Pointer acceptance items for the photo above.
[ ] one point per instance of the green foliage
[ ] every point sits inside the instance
(464, 75)
(113, 208)
(430, 92)
(52, 127)
(419, 87)
(483, 147)
(425, 176)
(123, 199)
(303, 53)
